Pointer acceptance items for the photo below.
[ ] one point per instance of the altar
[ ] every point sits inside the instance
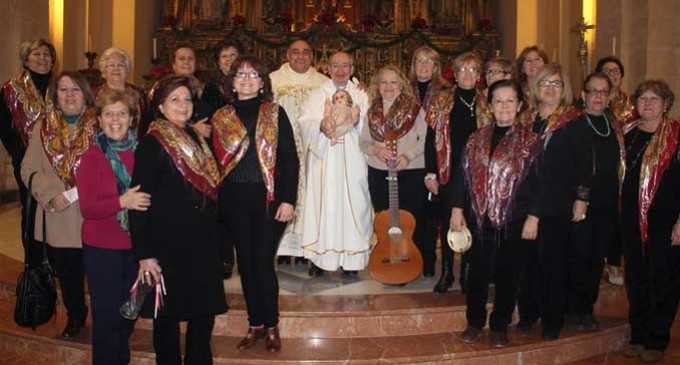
(376, 32)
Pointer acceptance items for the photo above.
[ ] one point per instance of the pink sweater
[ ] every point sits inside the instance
(98, 193)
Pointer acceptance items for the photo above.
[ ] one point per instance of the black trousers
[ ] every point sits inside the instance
(529, 281)
(494, 253)
(653, 286)
(166, 341)
(615, 249)
(553, 244)
(67, 264)
(412, 195)
(256, 236)
(110, 275)
(588, 246)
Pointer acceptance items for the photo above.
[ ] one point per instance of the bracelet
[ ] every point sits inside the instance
(582, 193)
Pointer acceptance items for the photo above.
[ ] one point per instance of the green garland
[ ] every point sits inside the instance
(359, 40)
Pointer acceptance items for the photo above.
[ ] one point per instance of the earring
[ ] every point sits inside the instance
(233, 90)
(261, 91)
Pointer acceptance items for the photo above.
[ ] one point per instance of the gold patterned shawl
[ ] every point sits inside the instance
(438, 119)
(64, 148)
(193, 160)
(230, 140)
(623, 108)
(25, 103)
(656, 159)
(400, 117)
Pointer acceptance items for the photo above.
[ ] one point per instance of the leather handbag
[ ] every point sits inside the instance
(36, 292)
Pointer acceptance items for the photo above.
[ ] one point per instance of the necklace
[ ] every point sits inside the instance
(470, 105)
(605, 134)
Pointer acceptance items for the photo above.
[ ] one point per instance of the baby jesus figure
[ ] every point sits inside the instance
(342, 112)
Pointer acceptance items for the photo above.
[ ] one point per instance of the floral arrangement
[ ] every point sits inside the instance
(447, 73)
(485, 25)
(328, 19)
(169, 21)
(238, 20)
(156, 73)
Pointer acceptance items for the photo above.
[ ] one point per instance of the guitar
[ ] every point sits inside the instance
(395, 258)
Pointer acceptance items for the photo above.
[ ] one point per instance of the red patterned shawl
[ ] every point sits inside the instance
(400, 117)
(656, 159)
(231, 141)
(493, 179)
(438, 118)
(64, 148)
(25, 103)
(193, 160)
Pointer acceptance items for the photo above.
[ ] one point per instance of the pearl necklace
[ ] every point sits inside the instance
(605, 134)
(470, 105)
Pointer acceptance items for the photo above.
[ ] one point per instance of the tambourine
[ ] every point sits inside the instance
(460, 241)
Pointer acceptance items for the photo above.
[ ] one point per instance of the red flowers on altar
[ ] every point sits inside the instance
(238, 20)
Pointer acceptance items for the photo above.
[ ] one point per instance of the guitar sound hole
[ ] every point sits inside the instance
(395, 260)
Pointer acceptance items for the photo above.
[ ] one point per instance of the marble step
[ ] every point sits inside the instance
(42, 347)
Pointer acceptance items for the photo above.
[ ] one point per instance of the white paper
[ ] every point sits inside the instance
(71, 195)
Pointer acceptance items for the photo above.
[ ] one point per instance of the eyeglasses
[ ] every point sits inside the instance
(651, 99)
(495, 71)
(550, 83)
(123, 114)
(611, 71)
(465, 69)
(595, 92)
(424, 61)
(247, 74)
(114, 65)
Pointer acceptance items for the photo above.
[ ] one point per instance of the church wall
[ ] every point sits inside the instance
(22, 20)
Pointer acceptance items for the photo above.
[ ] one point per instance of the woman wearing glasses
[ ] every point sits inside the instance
(497, 68)
(650, 218)
(254, 146)
(543, 281)
(583, 162)
(622, 108)
(427, 81)
(115, 65)
(453, 116)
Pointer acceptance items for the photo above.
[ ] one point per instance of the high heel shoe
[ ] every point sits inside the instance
(273, 340)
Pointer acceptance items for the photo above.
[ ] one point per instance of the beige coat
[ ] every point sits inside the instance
(63, 228)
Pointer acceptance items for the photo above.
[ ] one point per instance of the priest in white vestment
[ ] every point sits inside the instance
(337, 218)
(292, 83)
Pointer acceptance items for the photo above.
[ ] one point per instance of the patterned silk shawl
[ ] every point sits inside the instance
(656, 159)
(64, 148)
(438, 118)
(493, 179)
(231, 141)
(25, 103)
(400, 117)
(193, 160)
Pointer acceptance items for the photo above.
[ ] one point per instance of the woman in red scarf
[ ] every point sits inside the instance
(542, 283)
(54, 154)
(496, 160)
(177, 235)
(650, 218)
(452, 116)
(255, 149)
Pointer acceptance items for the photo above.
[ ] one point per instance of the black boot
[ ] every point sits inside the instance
(446, 280)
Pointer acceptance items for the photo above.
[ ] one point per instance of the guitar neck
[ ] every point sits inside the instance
(393, 193)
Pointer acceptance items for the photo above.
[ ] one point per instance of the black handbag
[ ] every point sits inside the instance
(36, 292)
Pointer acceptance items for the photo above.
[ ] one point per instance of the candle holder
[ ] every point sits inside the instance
(90, 58)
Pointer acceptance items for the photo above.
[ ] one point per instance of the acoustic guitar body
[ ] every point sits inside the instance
(395, 258)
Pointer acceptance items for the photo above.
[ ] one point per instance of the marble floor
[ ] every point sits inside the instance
(294, 281)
